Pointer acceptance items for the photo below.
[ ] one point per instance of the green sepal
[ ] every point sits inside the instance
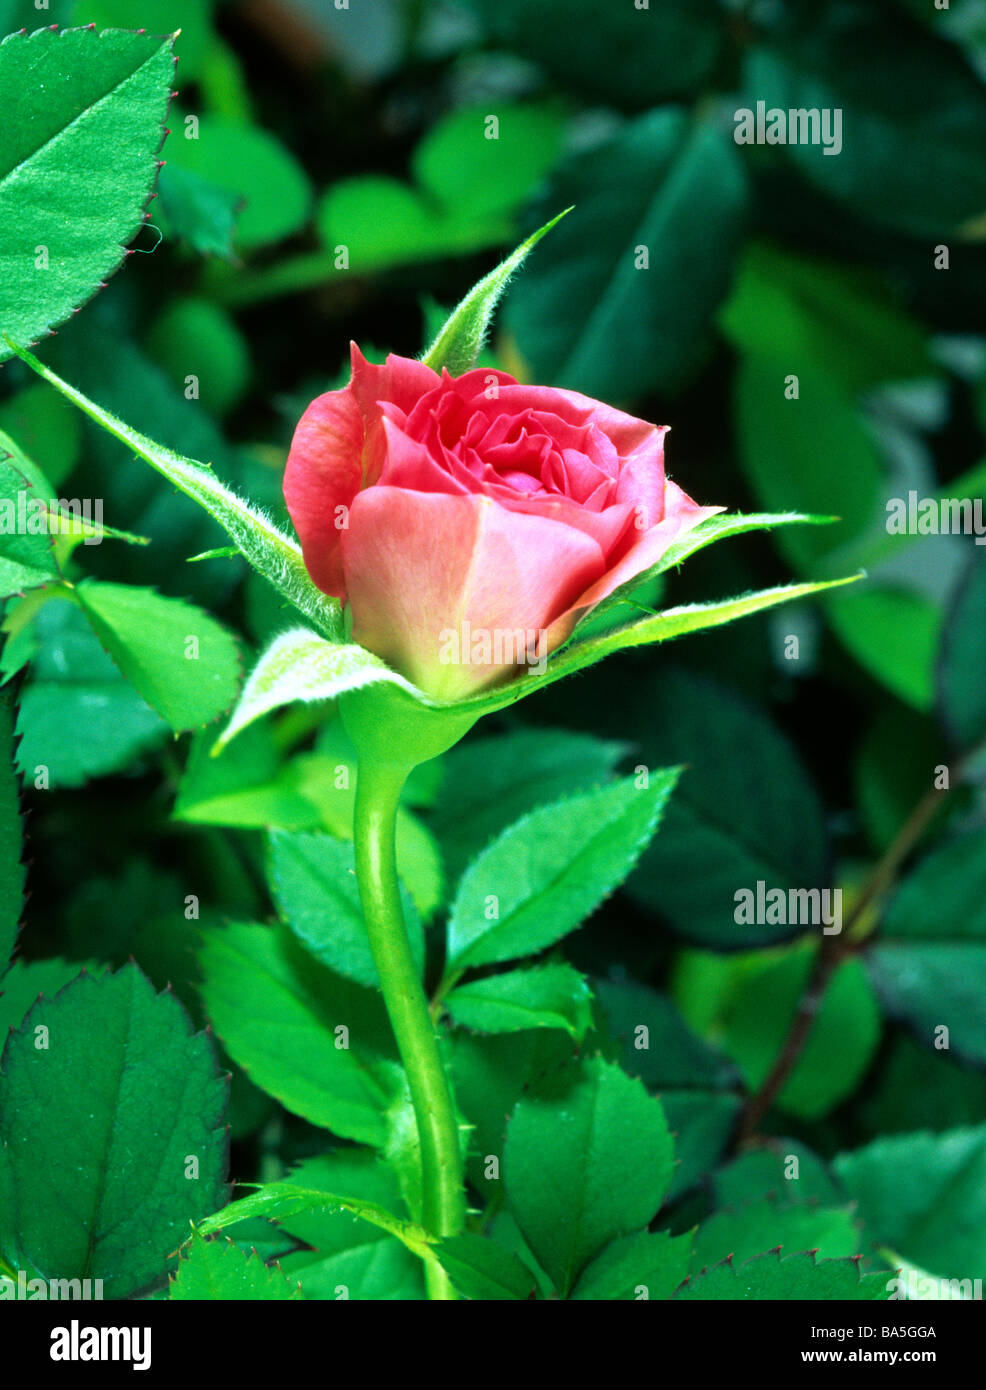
(271, 553)
(461, 337)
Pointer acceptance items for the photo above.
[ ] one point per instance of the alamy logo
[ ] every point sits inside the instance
(936, 516)
(25, 515)
(796, 126)
(33, 1290)
(75, 1343)
(498, 646)
(779, 907)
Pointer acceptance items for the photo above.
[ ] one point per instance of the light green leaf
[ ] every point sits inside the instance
(840, 1045)
(83, 123)
(547, 996)
(468, 187)
(761, 1225)
(798, 1278)
(213, 1270)
(383, 1270)
(27, 560)
(547, 873)
(650, 1264)
(458, 342)
(252, 166)
(194, 209)
(269, 550)
(279, 1013)
(176, 656)
(313, 882)
(588, 1159)
(118, 1101)
(194, 337)
(811, 316)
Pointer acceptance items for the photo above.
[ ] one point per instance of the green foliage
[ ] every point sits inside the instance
(747, 1231)
(195, 338)
(313, 881)
(83, 123)
(920, 176)
(73, 679)
(785, 1279)
(733, 822)
(244, 162)
(650, 1264)
(27, 981)
(619, 54)
(842, 1041)
(812, 328)
(923, 1196)
(963, 660)
(219, 1270)
(549, 996)
(470, 178)
(482, 1269)
(588, 1159)
(178, 658)
(488, 783)
(318, 1043)
(929, 960)
(592, 317)
(11, 866)
(109, 1081)
(545, 874)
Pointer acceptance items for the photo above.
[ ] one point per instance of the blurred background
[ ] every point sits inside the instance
(813, 328)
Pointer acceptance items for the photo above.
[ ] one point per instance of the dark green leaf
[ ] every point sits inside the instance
(586, 317)
(924, 1196)
(481, 1269)
(109, 1082)
(929, 961)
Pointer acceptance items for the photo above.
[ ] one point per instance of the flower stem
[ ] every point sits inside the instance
(378, 790)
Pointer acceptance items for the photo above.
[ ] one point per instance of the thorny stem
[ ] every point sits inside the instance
(833, 952)
(378, 788)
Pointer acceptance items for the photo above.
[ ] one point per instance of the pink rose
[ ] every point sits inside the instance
(470, 522)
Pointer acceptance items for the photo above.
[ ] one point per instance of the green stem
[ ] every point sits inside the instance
(378, 788)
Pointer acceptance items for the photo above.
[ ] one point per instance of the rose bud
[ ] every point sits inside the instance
(470, 522)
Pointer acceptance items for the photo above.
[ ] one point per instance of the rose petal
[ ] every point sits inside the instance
(424, 569)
